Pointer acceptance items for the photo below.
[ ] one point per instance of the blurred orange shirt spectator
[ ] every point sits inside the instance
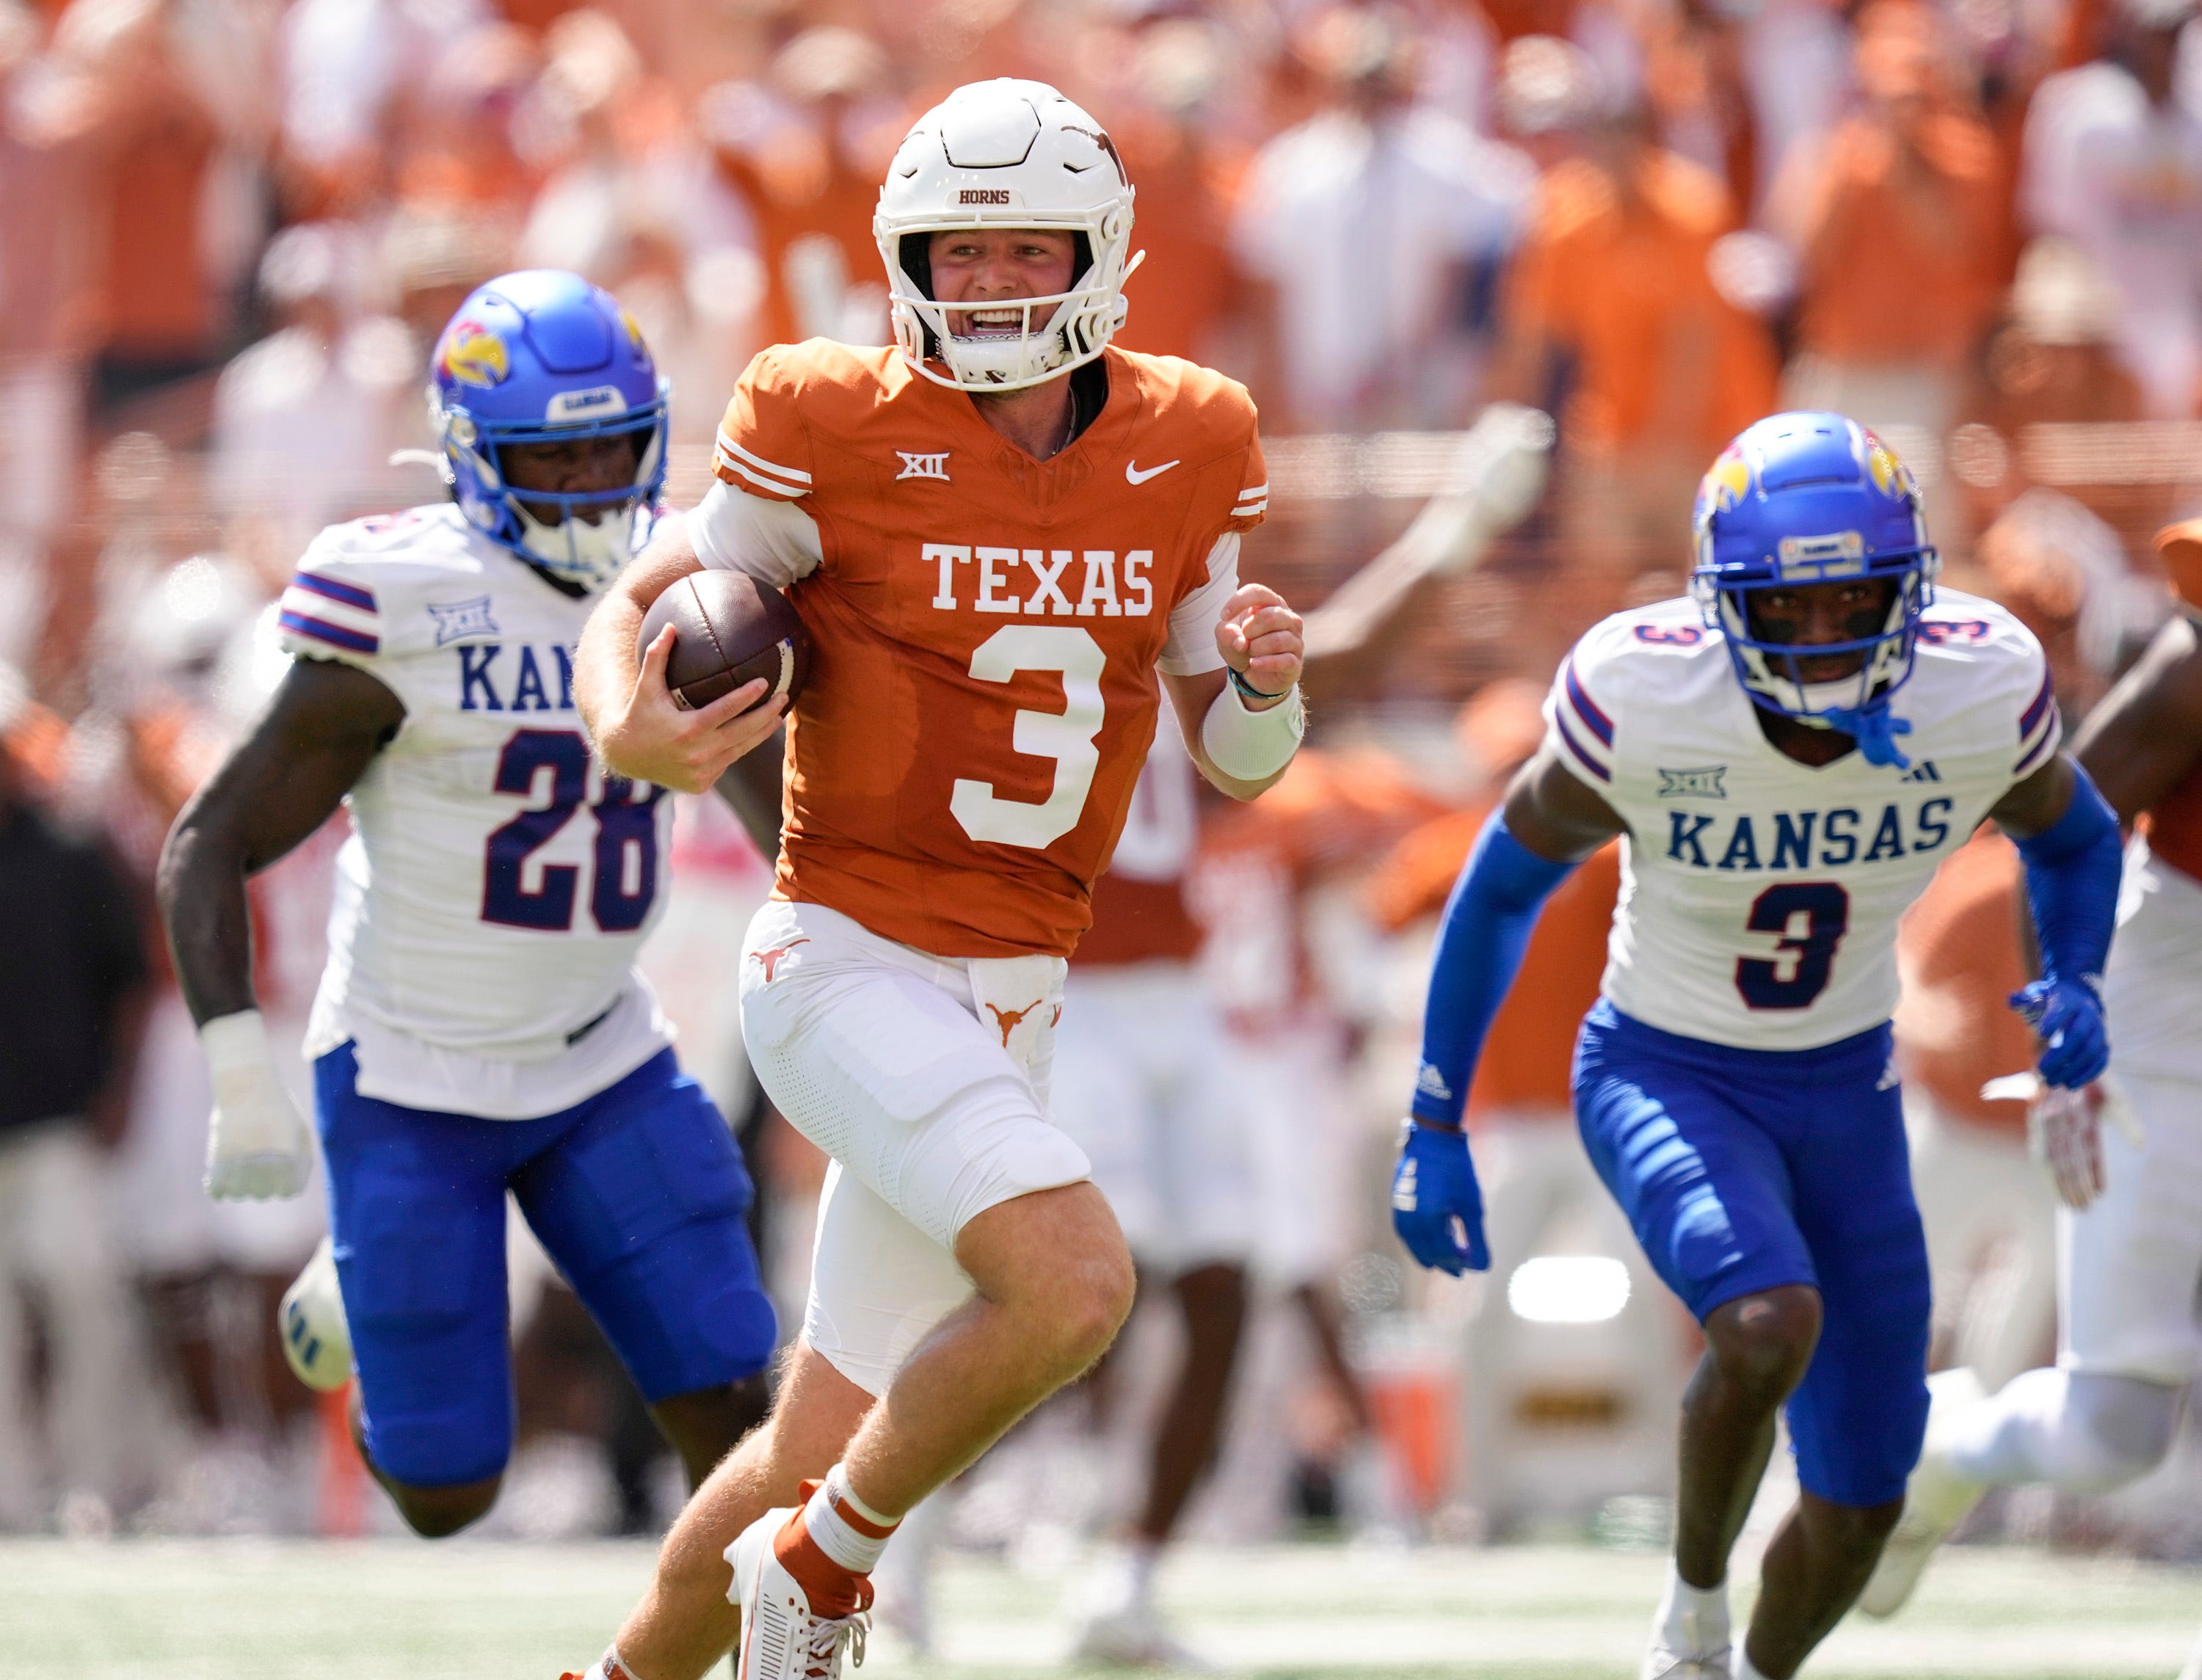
(1958, 948)
(1186, 289)
(155, 314)
(1614, 275)
(1901, 219)
(807, 150)
(1927, 209)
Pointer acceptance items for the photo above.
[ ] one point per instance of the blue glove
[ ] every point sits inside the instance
(2068, 1018)
(1436, 1207)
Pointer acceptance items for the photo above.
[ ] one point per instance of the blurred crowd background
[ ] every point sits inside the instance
(230, 229)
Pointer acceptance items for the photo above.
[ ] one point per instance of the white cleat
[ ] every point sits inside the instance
(316, 1337)
(781, 1638)
(1133, 1636)
(1662, 1663)
(1936, 1500)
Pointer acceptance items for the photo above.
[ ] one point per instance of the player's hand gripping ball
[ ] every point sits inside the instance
(1437, 1207)
(728, 630)
(2067, 1017)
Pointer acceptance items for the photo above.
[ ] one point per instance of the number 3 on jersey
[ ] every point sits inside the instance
(624, 878)
(1066, 736)
(1801, 974)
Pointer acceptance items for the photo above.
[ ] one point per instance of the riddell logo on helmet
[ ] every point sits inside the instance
(984, 195)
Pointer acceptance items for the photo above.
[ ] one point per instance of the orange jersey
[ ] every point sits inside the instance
(986, 628)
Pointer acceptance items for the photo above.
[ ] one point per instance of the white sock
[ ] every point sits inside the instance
(1744, 1668)
(1139, 1559)
(845, 1528)
(1693, 1621)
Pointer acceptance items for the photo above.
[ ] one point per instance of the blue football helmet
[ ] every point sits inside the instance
(540, 356)
(1808, 498)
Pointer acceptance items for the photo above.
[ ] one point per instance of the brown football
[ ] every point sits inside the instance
(727, 628)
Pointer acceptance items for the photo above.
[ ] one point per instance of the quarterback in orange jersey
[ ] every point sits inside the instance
(999, 534)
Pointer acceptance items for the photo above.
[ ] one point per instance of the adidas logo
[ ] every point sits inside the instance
(1432, 1084)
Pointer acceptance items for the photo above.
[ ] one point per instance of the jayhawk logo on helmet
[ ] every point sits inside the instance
(1890, 476)
(473, 355)
(1726, 483)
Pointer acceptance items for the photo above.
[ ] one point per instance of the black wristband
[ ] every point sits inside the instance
(1246, 690)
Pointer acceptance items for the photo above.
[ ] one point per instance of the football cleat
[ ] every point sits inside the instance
(316, 1338)
(782, 1637)
(1133, 1636)
(1935, 1501)
(1661, 1662)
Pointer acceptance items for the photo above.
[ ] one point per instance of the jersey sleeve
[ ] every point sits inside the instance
(2040, 726)
(1579, 712)
(337, 606)
(1191, 649)
(763, 446)
(773, 540)
(1253, 501)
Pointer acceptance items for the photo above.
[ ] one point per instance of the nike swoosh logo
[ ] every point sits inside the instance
(1133, 475)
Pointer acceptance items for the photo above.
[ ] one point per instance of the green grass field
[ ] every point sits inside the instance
(264, 1610)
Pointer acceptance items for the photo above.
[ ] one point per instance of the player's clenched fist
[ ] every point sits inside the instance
(1260, 638)
(652, 738)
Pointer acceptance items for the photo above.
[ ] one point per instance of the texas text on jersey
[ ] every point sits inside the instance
(986, 626)
(1759, 896)
(497, 883)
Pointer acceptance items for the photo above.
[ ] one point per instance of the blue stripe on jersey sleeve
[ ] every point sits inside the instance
(350, 594)
(335, 634)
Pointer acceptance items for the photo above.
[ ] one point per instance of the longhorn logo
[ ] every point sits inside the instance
(1010, 1020)
(771, 958)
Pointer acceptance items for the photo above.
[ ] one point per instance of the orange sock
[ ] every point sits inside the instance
(832, 1590)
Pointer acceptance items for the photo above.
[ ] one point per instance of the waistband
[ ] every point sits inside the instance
(1861, 1052)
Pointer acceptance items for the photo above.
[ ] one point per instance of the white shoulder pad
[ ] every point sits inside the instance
(1967, 640)
(359, 592)
(1615, 660)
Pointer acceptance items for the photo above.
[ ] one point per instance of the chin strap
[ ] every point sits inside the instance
(1876, 729)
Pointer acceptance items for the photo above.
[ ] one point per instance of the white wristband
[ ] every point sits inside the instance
(1252, 746)
(233, 1041)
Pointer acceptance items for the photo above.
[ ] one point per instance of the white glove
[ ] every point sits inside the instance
(258, 1144)
(2064, 1131)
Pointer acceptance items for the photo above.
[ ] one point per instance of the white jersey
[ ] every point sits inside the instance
(497, 883)
(1759, 897)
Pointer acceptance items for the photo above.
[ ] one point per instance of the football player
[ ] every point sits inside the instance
(480, 1028)
(1788, 754)
(1000, 532)
(2131, 1229)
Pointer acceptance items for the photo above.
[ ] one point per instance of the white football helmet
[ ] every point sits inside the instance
(1006, 154)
